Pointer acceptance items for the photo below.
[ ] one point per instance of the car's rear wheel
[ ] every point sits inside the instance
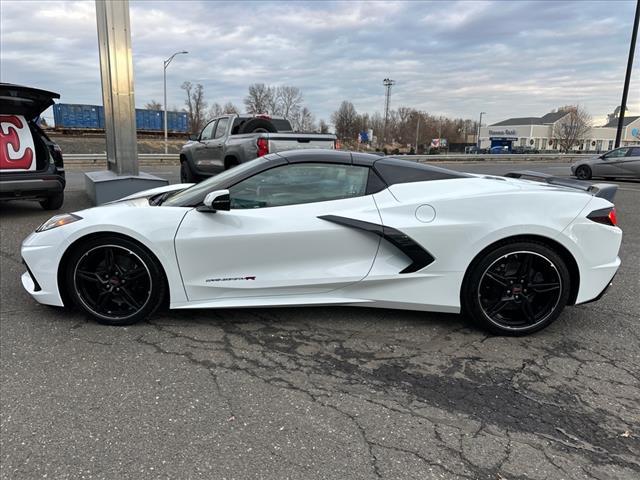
(115, 280)
(53, 202)
(583, 172)
(517, 288)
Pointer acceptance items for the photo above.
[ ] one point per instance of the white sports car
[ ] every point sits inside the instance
(319, 227)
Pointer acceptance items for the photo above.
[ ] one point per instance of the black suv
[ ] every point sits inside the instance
(31, 165)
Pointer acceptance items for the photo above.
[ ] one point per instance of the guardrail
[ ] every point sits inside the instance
(101, 158)
(173, 158)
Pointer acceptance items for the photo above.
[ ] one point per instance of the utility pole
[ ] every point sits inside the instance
(388, 83)
(627, 80)
(480, 126)
(417, 131)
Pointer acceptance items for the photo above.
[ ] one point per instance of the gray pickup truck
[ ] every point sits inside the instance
(230, 140)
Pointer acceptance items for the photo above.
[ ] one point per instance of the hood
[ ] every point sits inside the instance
(145, 194)
(27, 101)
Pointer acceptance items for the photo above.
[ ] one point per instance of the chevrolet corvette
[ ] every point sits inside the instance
(327, 227)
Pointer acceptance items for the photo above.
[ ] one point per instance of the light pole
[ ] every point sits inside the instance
(480, 126)
(627, 79)
(166, 64)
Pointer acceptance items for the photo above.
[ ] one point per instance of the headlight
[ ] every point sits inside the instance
(58, 221)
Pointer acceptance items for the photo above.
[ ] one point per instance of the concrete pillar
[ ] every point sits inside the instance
(116, 69)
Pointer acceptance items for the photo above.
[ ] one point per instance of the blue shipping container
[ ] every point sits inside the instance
(177, 122)
(67, 115)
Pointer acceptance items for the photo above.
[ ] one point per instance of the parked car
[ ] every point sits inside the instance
(499, 149)
(519, 149)
(230, 140)
(475, 150)
(621, 162)
(31, 165)
(329, 227)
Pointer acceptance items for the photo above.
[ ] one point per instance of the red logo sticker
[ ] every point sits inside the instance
(16, 144)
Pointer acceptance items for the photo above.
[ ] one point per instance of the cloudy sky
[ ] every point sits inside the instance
(507, 58)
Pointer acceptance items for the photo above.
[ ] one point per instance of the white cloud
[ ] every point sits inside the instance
(454, 58)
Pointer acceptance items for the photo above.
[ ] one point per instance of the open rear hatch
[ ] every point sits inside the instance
(602, 190)
(26, 101)
(23, 148)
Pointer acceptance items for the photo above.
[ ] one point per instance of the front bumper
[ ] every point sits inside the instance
(41, 278)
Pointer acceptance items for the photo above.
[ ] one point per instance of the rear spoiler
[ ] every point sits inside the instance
(602, 190)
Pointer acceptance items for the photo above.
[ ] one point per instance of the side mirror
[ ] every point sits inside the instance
(194, 136)
(214, 201)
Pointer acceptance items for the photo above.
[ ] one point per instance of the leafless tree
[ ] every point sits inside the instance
(302, 120)
(230, 108)
(196, 106)
(323, 126)
(153, 105)
(289, 100)
(260, 99)
(345, 120)
(572, 127)
(217, 110)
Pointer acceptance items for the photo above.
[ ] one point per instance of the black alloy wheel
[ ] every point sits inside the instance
(518, 291)
(583, 172)
(116, 281)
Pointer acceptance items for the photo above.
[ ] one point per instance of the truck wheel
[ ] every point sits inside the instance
(258, 125)
(186, 175)
(230, 162)
(53, 202)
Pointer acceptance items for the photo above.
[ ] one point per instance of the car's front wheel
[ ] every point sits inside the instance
(115, 280)
(583, 172)
(186, 175)
(516, 289)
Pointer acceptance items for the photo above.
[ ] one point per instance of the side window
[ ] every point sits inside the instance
(634, 152)
(300, 183)
(207, 131)
(617, 153)
(221, 129)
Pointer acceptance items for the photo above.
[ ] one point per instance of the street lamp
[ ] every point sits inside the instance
(479, 126)
(166, 64)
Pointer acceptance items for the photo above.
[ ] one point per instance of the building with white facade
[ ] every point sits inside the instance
(537, 133)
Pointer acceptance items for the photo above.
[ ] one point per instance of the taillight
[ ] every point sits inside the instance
(606, 216)
(263, 146)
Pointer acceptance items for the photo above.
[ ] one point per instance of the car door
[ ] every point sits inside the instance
(201, 151)
(610, 166)
(215, 146)
(273, 241)
(630, 165)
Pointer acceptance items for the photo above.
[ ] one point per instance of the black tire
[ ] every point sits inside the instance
(186, 175)
(96, 278)
(53, 202)
(516, 288)
(257, 125)
(583, 172)
(230, 162)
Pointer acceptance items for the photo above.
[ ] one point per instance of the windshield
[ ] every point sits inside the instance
(192, 196)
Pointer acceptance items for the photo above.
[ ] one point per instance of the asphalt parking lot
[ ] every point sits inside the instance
(317, 393)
